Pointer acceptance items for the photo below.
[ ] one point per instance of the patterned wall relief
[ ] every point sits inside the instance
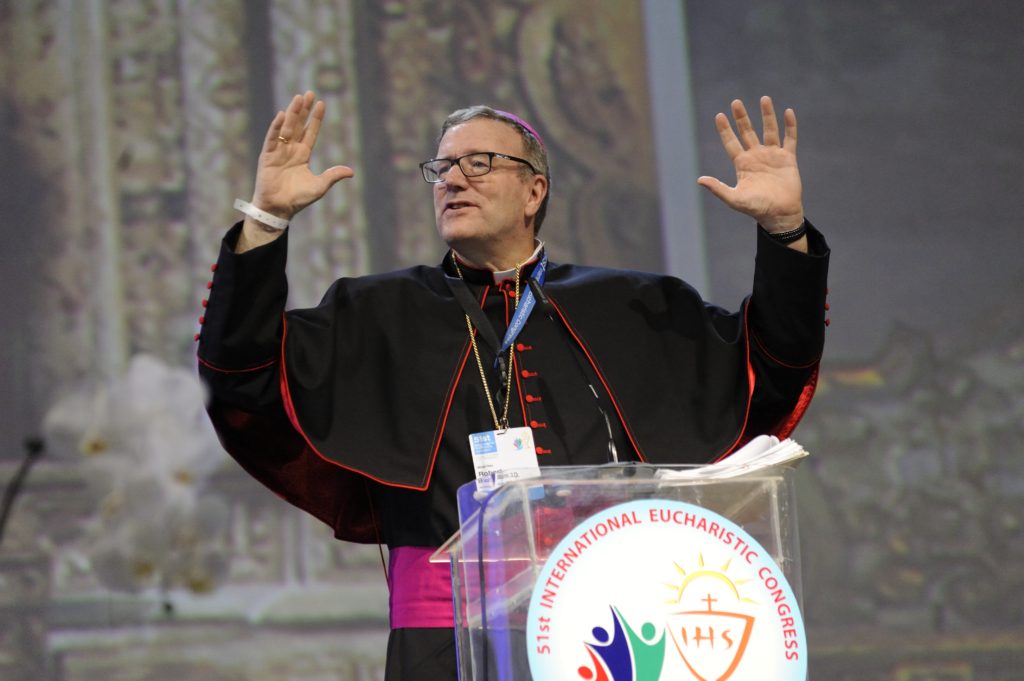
(38, 51)
(585, 77)
(572, 69)
(141, 117)
(314, 48)
(25, 596)
(220, 652)
(101, 90)
(149, 183)
(217, 124)
(139, 120)
(915, 516)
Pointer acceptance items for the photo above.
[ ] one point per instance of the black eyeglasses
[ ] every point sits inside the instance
(472, 165)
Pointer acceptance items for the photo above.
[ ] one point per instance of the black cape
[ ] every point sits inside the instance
(326, 405)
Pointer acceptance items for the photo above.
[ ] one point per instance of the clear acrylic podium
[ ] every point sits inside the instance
(508, 534)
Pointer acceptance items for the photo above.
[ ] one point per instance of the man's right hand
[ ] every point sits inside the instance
(284, 183)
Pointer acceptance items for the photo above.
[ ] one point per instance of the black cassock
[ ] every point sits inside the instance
(367, 426)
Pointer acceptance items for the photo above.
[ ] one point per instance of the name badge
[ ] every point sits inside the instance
(501, 456)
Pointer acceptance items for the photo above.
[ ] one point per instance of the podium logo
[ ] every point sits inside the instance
(653, 590)
(624, 653)
(711, 640)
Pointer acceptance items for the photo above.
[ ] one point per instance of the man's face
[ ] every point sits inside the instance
(487, 213)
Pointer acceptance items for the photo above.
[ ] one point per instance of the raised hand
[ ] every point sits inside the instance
(284, 182)
(768, 186)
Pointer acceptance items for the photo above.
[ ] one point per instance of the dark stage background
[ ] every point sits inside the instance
(128, 127)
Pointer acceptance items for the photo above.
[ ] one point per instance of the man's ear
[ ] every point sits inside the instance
(538, 190)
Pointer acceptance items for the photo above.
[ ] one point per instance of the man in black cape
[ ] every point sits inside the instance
(361, 411)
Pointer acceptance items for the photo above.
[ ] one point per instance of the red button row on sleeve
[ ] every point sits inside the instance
(206, 301)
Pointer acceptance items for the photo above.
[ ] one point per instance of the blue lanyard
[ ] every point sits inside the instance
(523, 309)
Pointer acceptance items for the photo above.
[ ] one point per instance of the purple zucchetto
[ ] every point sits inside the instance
(527, 126)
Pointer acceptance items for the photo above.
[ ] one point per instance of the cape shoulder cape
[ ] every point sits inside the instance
(370, 374)
(314, 402)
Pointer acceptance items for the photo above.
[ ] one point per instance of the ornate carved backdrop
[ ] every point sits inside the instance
(572, 69)
(129, 125)
(141, 118)
(137, 123)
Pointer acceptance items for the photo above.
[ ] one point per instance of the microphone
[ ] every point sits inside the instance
(34, 448)
(549, 310)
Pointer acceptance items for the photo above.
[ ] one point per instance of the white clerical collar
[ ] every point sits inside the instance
(511, 274)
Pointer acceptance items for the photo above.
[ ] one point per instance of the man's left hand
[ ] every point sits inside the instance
(768, 186)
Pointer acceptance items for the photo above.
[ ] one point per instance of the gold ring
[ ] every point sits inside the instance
(282, 139)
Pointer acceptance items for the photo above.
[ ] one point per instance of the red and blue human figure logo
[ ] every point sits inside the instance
(623, 654)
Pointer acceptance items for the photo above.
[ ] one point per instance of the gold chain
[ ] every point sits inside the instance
(503, 423)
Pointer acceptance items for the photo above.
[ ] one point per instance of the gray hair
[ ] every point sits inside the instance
(534, 152)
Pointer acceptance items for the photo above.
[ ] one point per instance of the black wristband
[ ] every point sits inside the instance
(790, 236)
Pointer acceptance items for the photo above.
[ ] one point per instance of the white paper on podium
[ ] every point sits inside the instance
(764, 451)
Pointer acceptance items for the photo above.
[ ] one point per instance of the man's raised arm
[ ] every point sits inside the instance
(284, 182)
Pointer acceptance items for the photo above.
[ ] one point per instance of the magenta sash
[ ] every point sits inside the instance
(421, 591)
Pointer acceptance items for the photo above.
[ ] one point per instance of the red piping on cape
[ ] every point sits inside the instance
(235, 371)
(450, 397)
(782, 430)
(289, 408)
(775, 359)
(600, 377)
(786, 427)
(751, 382)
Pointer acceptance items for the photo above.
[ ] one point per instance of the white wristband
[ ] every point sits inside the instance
(262, 216)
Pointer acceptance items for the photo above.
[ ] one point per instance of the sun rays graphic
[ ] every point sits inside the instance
(701, 573)
(710, 627)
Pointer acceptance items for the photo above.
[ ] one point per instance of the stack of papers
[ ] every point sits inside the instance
(764, 451)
